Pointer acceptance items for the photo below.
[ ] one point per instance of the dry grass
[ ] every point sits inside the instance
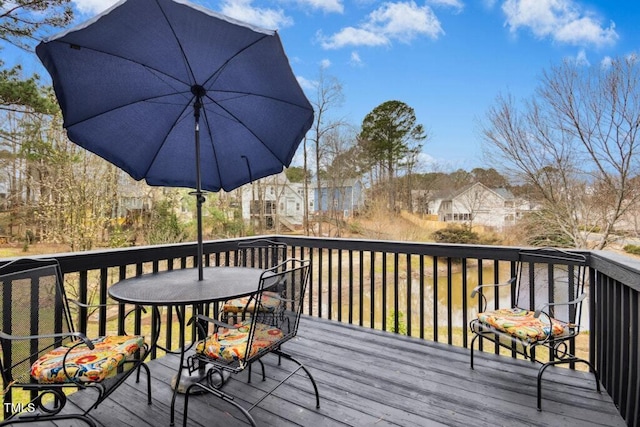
(17, 250)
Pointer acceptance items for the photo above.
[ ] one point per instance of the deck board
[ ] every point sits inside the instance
(367, 378)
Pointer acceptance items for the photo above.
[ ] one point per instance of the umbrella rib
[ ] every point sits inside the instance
(77, 46)
(273, 98)
(242, 123)
(164, 140)
(175, 36)
(219, 71)
(213, 146)
(123, 106)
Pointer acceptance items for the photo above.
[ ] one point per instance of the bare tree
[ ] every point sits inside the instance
(328, 97)
(340, 171)
(575, 143)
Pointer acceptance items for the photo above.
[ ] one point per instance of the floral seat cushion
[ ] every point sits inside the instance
(231, 344)
(269, 304)
(522, 324)
(84, 364)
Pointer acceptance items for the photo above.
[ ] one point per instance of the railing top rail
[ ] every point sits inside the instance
(619, 267)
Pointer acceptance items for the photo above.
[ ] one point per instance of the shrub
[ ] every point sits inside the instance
(402, 325)
(455, 234)
(632, 249)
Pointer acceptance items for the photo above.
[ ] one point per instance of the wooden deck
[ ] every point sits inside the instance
(370, 378)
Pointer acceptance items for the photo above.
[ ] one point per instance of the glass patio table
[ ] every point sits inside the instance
(179, 288)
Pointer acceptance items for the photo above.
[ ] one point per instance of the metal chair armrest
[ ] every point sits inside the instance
(84, 305)
(541, 308)
(202, 317)
(79, 335)
(478, 288)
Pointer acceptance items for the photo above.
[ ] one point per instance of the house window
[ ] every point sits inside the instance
(298, 206)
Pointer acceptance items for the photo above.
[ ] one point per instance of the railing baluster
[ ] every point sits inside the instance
(478, 298)
(339, 285)
(360, 287)
(330, 284)
(449, 301)
(372, 290)
(422, 284)
(465, 309)
(311, 272)
(102, 291)
(384, 291)
(436, 326)
(409, 308)
(396, 292)
(82, 297)
(350, 296)
(319, 277)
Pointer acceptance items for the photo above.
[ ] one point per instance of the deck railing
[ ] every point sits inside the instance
(418, 289)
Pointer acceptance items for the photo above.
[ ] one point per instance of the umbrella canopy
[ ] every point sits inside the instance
(178, 95)
(127, 81)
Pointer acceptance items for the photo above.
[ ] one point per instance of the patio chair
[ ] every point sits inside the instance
(547, 291)
(233, 348)
(44, 358)
(260, 253)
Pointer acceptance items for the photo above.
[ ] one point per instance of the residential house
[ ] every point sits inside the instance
(339, 196)
(275, 201)
(478, 204)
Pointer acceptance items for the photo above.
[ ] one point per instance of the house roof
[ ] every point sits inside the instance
(501, 192)
(339, 183)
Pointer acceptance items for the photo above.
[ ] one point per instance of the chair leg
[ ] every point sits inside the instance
(558, 362)
(217, 393)
(146, 368)
(301, 366)
(473, 340)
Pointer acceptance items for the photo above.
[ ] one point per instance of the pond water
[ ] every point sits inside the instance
(453, 300)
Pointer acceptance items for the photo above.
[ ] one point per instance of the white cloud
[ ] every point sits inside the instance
(355, 59)
(325, 63)
(307, 84)
(402, 21)
(581, 59)
(562, 20)
(606, 62)
(327, 6)
(243, 10)
(426, 162)
(354, 37)
(93, 7)
(456, 4)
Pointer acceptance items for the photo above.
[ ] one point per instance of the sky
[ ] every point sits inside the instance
(447, 59)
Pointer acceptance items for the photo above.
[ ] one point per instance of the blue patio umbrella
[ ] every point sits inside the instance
(178, 95)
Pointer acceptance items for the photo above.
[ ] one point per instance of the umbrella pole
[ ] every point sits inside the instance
(199, 92)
